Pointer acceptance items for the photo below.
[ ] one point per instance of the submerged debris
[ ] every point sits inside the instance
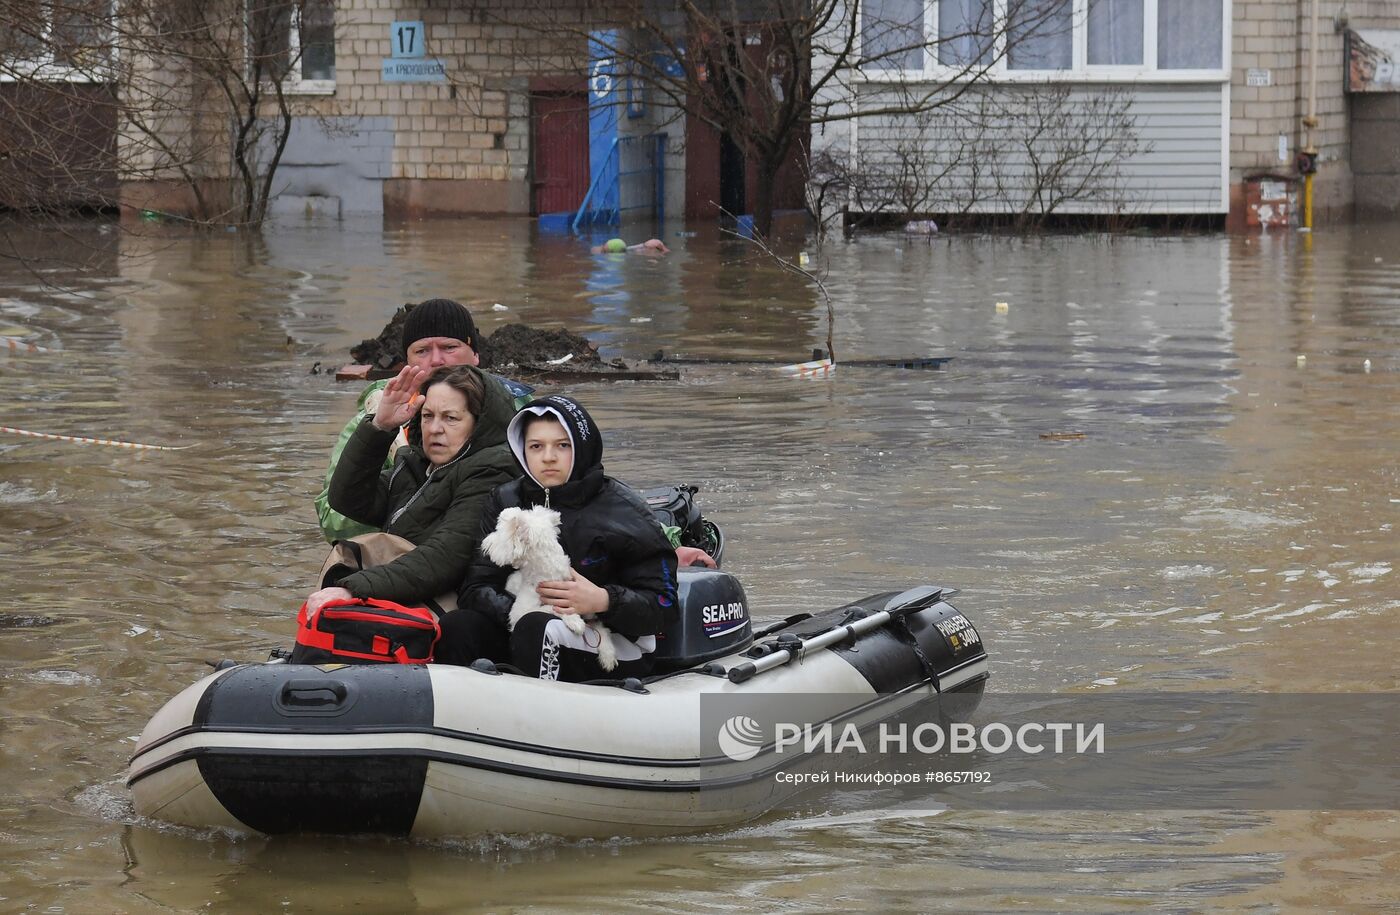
(25, 621)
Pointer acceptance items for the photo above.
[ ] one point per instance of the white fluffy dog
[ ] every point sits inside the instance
(528, 541)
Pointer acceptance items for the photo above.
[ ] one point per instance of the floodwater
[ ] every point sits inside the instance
(1165, 466)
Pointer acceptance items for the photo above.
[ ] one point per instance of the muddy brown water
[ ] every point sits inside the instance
(1226, 521)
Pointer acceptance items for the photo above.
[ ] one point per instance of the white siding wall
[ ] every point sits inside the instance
(988, 148)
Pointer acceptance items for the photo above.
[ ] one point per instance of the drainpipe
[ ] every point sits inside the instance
(1308, 160)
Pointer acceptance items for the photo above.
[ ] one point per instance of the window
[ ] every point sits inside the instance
(1115, 33)
(293, 41)
(892, 34)
(965, 32)
(22, 37)
(1068, 40)
(69, 37)
(315, 34)
(1189, 34)
(1040, 35)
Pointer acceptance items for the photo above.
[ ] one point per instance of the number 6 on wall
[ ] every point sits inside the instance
(602, 81)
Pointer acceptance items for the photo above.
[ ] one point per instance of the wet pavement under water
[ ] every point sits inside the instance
(1224, 522)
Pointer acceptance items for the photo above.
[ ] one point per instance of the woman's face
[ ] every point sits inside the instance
(549, 453)
(446, 424)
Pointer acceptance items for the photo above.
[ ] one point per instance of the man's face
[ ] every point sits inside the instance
(434, 352)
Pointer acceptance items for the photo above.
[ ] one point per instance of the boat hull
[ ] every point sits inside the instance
(450, 751)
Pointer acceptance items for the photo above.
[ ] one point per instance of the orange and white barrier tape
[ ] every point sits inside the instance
(92, 441)
(19, 346)
(819, 368)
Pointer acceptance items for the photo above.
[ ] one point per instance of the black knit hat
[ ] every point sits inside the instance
(439, 318)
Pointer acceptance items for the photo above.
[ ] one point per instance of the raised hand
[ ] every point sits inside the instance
(401, 399)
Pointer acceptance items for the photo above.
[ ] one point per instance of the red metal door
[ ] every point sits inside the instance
(702, 173)
(709, 170)
(560, 146)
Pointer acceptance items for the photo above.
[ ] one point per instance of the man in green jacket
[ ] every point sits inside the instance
(437, 332)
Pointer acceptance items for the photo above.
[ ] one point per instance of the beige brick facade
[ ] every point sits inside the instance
(462, 145)
(1276, 35)
(467, 140)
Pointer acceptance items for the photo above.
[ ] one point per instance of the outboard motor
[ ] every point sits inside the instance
(714, 620)
(674, 506)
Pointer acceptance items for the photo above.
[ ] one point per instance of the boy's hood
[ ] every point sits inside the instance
(587, 440)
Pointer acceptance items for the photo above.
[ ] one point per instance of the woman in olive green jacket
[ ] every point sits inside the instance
(433, 494)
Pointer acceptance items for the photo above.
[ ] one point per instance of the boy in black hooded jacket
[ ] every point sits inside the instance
(624, 569)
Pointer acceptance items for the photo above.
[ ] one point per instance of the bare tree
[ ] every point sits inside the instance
(1073, 147)
(185, 95)
(909, 175)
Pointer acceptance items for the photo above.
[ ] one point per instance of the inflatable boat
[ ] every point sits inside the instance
(435, 750)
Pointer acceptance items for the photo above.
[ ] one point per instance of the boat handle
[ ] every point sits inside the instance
(313, 693)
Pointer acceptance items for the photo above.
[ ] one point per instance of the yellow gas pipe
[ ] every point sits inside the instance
(1307, 201)
(1310, 123)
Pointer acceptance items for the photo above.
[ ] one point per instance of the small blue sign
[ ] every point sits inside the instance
(406, 39)
(668, 64)
(422, 70)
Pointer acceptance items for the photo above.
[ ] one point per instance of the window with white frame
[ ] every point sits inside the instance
(892, 34)
(63, 39)
(1128, 39)
(1115, 36)
(1189, 34)
(1040, 34)
(294, 41)
(965, 32)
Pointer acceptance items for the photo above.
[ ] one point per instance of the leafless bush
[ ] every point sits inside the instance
(1025, 153)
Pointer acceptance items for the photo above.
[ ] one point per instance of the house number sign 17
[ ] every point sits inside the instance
(407, 42)
(406, 39)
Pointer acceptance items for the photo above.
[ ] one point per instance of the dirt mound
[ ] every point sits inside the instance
(521, 344)
(512, 345)
(386, 350)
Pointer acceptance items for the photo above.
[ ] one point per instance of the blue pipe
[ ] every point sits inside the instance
(583, 207)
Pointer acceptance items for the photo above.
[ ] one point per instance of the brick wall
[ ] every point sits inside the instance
(457, 147)
(463, 145)
(173, 146)
(1276, 35)
(1375, 126)
(1265, 37)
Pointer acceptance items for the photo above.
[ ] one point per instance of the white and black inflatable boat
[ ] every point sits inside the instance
(452, 751)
